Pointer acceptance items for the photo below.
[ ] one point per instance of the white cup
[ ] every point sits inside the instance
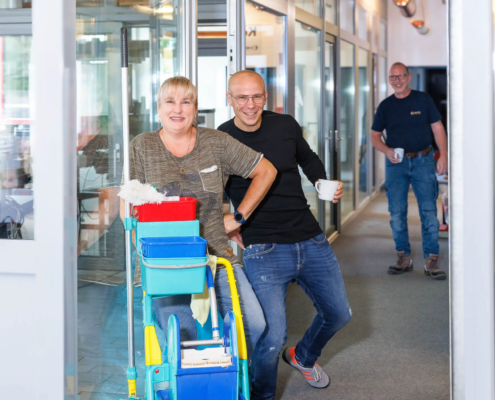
(399, 154)
(326, 189)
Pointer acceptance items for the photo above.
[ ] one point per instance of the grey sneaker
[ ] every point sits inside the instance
(432, 270)
(315, 376)
(403, 264)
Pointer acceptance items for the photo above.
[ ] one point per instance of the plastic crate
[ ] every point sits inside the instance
(168, 282)
(182, 210)
(173, 247)
(165, 229)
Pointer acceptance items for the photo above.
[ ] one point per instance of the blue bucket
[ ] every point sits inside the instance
(158, 280)
(165, 229)
(173, 247)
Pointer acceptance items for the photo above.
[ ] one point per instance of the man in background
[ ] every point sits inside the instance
(412, 122)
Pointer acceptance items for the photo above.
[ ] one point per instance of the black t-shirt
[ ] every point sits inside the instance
(407, 121)
(284, 215)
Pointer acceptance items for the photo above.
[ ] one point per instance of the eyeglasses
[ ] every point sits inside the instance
(242, 99)
(400, 76)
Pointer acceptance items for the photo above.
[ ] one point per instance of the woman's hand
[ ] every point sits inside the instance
(236, 236)
(230, 223)
(339, 192)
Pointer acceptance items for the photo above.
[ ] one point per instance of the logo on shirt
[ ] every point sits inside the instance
(415, 112)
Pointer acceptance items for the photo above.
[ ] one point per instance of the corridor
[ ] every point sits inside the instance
(396, 346)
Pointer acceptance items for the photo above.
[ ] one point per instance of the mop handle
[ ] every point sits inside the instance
(131, 370)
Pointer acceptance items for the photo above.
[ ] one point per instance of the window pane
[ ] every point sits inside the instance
(153, 57)
(383, 79)
(16, 138)
(363, 23)
(363, 115)
(265, 34)
(347, 15)
(307, 96)
(383, 36)
(312, 6)
(331, 11)
(347, 113)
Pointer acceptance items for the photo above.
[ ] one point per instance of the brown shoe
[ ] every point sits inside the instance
(432, 270)
(403, 264)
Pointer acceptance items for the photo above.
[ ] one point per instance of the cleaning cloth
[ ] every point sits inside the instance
(200, 303)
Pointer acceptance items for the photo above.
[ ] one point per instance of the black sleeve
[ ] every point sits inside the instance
(309, 161)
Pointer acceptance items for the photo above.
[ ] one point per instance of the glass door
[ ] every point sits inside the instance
(332, 139)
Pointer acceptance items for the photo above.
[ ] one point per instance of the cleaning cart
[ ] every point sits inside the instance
(175, 260)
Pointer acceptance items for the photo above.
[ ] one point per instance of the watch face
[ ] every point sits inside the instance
(238, 217)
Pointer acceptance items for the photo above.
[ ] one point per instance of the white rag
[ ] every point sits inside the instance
(200, 303)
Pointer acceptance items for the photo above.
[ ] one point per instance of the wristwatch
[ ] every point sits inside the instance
(238, 217)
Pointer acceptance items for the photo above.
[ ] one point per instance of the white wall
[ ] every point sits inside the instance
(406, 45)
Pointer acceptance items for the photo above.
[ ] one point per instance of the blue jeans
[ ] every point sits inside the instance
(270, 268)
(420, 173)
(254, 323)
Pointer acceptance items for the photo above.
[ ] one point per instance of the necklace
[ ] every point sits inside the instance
(173, 156)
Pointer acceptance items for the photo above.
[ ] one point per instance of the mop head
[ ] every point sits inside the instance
(138, 193)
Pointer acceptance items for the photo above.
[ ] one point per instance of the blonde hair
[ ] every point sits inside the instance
(172, 85)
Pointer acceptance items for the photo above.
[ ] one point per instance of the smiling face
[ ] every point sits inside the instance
(247, 83)
(177, 112)
(400, 82)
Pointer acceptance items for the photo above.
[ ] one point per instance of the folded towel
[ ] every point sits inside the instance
(200, 303)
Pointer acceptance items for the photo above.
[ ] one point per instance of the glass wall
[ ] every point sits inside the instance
(16, 137)
(383, 35)
(154, 55)
(347, 15)
(382, 93)
(363, 117)
(307, 96)
(330, 131)
(331, 11)
(363, 23)
(347, 116)
(265, 42)
(312, 6)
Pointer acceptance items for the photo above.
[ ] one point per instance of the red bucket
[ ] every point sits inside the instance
(182, 210)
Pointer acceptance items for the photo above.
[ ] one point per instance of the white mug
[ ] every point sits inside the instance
(326, 189)
(399, 154)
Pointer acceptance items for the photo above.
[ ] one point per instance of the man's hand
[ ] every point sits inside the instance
(390, 153)
(236, 236)
(230, 223)
(442, 164)
(339, 192)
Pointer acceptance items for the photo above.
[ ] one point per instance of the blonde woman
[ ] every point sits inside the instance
(184, 160)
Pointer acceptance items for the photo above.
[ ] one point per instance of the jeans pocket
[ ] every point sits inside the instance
(320, 239)
(256, 250)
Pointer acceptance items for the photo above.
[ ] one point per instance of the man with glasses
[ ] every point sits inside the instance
(411, 121)
(282, 239)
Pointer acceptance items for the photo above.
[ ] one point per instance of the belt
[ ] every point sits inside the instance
(423, 153)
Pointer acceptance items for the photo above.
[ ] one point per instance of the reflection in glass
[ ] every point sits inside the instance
(212, 76)
(363, 23)
(153, 57)
(6, 4)
(307, 96)
(383, 36)
(347, 15)
(265, 34)
(382, 93)
(16, 138)
(363, 116)
(329, 130)
(312, 6)
(331, 11)
(347, 114)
